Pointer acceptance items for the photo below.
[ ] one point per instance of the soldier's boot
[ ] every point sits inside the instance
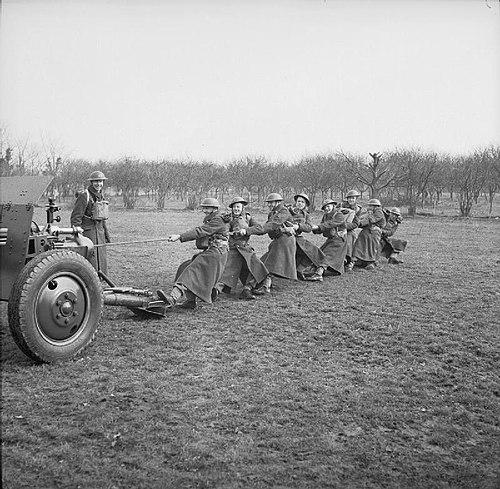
(394, 259)
(246, 294)
(215, 294)
(318, 275)
(309, 271)
(349, 266)
(171, 299)
(190, 302)
(267, 284)
(263, 288)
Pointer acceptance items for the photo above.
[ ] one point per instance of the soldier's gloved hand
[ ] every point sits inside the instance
(173, 237)
(242, 232)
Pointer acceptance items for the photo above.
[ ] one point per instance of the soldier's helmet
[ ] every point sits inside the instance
(328, 201)
(238, 200)
(374, 202)
(210, 202)
(274, 197)
(353, 193)
(304, 196)
(97, 175)
(395, 210)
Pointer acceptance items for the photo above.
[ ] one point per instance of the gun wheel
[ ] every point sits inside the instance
(55, 306)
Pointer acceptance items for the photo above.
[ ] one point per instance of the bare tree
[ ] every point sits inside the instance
(161, 178)
(491, 168)
(377, 174)
(415, 169)
(129, 176)
(469, 180)
(6, 156)
(73, 175)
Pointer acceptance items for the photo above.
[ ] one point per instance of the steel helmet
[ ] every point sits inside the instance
(374, 202)
(304, 196)
(353, 193)
(238, 200)
(210, 202)
(273, 197)
(328, 201)
(97, 175)
(395, 210)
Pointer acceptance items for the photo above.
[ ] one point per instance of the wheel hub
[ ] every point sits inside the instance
(60, 308)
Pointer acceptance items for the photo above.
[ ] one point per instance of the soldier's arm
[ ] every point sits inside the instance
(273, 223)
(305, 226)
(377, 217)
(212, 226)
(79, 209)
(337, 220)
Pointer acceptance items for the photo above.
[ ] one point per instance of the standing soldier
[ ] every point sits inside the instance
(366, 247)
(333, 228)
(352, 210)
(391, 247)
(199, 278)
(91, 213)
(280, 258)
(242, 261)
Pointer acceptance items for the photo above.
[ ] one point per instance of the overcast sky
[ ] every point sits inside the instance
(219, 79)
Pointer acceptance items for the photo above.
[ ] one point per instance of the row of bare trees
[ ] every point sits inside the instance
(406, 176)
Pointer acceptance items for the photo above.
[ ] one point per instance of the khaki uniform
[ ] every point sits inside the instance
(333, 228)
(201, 274)
(366, 247)
(280, 257)
(95, 230)
(242, 261)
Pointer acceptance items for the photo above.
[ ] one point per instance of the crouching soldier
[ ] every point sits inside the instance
(308, 255)
(280, 257)
(333, 228)
(200, 276)
(352, 210)
(242, 261)
(391, 247)
(366, 247)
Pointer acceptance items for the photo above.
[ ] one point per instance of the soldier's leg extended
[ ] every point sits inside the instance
(175, 294)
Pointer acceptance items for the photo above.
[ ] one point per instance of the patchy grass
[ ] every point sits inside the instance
(374, 379)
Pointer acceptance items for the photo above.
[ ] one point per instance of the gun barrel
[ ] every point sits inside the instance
(119, 299)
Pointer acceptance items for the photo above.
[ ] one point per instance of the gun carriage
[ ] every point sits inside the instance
(55, 296)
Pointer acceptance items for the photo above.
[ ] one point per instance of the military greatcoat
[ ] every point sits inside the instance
(205, 269)
(307, 252)
(366, 247)
(333, 228)
(95, 230)
(352, 223)
(389, 244)
(280, 257)
(242, 261)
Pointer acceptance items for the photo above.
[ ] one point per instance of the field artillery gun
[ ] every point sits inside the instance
(54, 294)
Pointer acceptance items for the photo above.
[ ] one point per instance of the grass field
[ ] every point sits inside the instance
(383, 379)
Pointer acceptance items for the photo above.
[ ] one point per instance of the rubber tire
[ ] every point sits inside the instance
(32, 290)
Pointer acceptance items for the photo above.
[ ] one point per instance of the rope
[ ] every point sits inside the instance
(130, 242)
